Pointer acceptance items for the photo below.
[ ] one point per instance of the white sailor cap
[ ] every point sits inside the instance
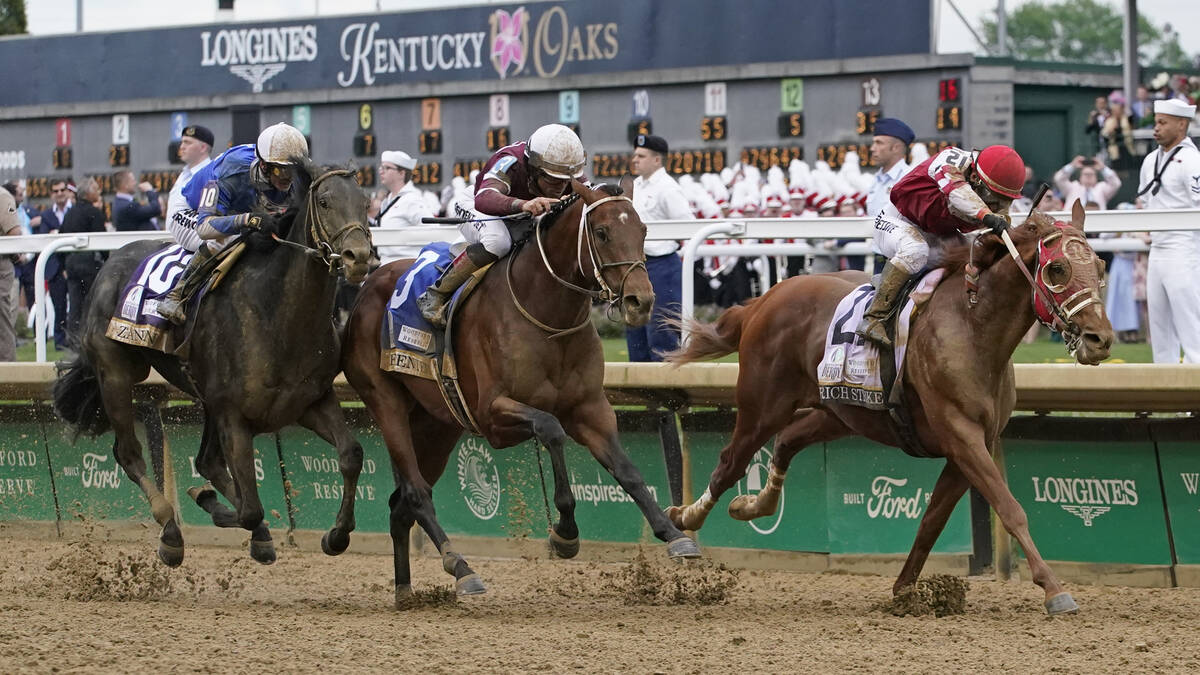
(399, 158)
(1175, 107)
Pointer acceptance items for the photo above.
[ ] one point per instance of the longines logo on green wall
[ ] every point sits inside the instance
(1088, 498)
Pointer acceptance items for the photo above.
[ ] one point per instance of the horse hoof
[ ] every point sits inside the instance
(334, 542)
(1062, 603)
(563, 548)
(742, 508)
(171, 556)
(262, 551)
(683, 547)
(469, 585)
(404, 594)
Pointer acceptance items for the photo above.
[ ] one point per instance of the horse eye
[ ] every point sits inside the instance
(602, 235)
(324, 203)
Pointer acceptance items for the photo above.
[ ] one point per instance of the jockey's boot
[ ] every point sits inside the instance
(172, 306)
(432, 302)
(891, 280)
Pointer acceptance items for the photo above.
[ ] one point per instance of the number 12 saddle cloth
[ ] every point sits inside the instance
(849, 372)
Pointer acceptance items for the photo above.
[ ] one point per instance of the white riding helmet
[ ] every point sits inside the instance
(279, 143)
(556, 150)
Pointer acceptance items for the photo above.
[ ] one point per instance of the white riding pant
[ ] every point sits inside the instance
(1173, 302)
(183, 226)
(901, 241)
(491, 231)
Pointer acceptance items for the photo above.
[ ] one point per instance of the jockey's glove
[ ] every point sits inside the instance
(248, 222)
(996, 223)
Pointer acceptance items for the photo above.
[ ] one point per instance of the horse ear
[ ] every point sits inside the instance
(588, 194)
(303, 170)
(1077, 213)
(627, 185)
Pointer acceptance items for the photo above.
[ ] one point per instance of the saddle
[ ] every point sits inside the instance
(856, 372)
(412, 346)
(135, 319)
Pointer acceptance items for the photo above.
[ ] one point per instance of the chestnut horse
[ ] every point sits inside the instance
(530, 366)
(958, 375)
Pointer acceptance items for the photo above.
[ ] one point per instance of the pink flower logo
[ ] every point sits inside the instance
(508, 40)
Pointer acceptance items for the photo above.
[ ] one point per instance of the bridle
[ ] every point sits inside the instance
(1054, 304)
(604, 293)
(326, 243)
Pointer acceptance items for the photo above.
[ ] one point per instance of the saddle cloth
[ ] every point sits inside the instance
(135, 319)
(407, 339)
(413, 346)
(849, 371)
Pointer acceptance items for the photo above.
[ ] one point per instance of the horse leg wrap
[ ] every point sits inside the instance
(693, 515)
(450, 562)
(466, 582)
(748, 507)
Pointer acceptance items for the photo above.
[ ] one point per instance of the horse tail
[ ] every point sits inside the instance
(77, 397)
(712, 340)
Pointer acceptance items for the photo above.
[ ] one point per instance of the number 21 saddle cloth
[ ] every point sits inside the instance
(849, 372)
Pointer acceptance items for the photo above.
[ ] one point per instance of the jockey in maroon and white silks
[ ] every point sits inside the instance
(952, 192)
(527, 177)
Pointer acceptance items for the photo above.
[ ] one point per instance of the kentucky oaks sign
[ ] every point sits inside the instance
(474, 43)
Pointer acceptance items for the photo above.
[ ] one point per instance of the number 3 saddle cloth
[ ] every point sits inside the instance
(850, 369)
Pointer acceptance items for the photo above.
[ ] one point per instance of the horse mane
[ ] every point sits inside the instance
(990, 248)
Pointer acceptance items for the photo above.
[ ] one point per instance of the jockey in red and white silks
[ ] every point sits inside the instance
(954, 191)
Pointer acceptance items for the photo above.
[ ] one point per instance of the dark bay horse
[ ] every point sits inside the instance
(530, 365)
(263, 355)
(958, 376)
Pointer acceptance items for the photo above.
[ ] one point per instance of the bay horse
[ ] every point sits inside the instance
(530, 366)
(263, 355)
(958, 375)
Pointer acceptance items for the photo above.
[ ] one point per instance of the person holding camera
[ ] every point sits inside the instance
(1095, 182)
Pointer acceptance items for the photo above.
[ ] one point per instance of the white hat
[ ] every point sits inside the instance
(399, 158)
(8, 211)
(1175, 107)
(919, 152)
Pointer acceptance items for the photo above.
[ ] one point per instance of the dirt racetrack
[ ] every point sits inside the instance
(91, 605)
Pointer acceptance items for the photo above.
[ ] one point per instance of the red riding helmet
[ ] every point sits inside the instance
(1002, 170)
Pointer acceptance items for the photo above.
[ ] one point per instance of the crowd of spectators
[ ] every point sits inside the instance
(797, 190)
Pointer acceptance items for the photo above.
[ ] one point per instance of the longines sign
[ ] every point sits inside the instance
(530, 40)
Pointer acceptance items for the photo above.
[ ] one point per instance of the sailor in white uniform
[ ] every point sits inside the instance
(1170, 179)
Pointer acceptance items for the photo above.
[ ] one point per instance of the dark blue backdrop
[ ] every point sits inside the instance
(544, 40)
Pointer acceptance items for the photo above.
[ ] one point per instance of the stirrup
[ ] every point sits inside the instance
(174, 312)
(874, 331)
(433, 307)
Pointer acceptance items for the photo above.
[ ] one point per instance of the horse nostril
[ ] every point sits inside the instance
(348, 257)
(1097, 341)
(632, 301)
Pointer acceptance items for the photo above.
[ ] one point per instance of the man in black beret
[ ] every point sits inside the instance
(195, 144)
(656, 196)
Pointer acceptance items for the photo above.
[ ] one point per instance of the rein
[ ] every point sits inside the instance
(604, 293)
(326, 243)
